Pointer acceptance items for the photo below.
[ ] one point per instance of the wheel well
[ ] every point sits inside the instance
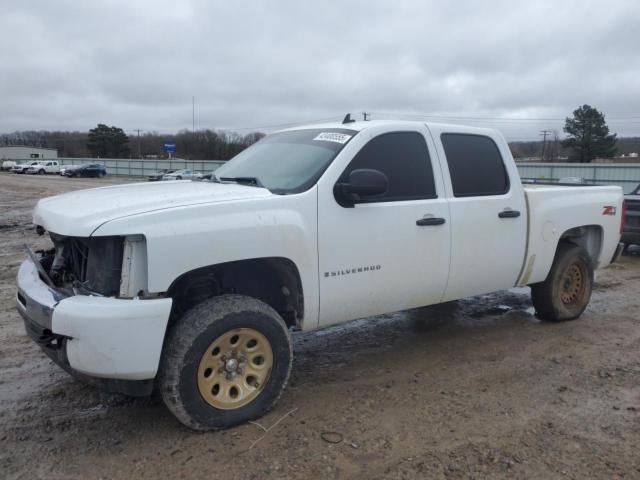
(588, 237)
(273, 280)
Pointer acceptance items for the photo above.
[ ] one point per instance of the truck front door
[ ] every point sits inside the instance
(389, 252)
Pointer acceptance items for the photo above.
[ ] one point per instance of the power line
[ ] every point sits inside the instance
(508, 119)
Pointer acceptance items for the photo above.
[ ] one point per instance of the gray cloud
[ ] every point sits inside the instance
(72, 64)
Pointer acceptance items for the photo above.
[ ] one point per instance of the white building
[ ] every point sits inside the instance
(19, 152)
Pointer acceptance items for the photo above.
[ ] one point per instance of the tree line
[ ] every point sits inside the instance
(555, 151)
(111, 142)
(587, 138)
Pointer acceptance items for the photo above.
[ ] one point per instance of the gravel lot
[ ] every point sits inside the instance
(475, 389)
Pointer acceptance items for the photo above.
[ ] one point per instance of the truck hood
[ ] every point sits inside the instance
(80, 213)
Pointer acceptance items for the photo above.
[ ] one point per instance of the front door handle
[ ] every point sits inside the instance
(509, 214)
(427, 221)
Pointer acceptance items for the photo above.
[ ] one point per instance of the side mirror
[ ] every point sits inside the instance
(363, 183)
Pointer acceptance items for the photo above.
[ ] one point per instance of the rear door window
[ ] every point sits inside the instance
(475, 165)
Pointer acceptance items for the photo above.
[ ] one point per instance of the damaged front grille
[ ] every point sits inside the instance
(91, 264)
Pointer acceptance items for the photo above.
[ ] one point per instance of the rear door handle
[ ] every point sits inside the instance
(509, 214)
(425, 222)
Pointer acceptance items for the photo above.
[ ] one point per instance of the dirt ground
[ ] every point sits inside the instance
(477, 389)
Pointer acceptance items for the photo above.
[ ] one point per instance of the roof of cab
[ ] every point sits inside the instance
(360, 125)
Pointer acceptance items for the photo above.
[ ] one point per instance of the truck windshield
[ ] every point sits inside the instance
(288, 162)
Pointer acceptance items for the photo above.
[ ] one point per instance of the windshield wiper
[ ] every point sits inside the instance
(251, 181)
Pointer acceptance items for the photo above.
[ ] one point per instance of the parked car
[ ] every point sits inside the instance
(631, 227)
(49, 166)
(23, 167)
(154, 177)
(8, 165)
(181, 175)
(86, 170)
(194, 287)
(572, 180)
(66, 169)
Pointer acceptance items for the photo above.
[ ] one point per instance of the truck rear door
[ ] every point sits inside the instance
(487, 208)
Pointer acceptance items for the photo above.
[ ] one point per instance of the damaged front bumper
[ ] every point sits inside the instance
(113, 343)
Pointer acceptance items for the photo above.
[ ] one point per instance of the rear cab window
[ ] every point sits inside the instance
(475, 165)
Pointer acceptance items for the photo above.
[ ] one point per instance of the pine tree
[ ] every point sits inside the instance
(588, 135)
(108, 142)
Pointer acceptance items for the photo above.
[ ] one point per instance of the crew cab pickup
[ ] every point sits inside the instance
(48, 166)
(194, 287)
(23, 167)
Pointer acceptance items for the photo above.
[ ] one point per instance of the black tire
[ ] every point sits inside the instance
(178, 178)
(101, 174)
(41, 172)
(189, 340)
(566, 292)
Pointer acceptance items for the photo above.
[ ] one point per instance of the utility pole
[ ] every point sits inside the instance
(139, 149)
(544, 134)
(193, 114)
(366, 116)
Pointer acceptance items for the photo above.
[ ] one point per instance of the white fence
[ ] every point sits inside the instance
(141, 168)
(626, 175)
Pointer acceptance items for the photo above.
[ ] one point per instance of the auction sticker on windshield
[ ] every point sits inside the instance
(333, 137)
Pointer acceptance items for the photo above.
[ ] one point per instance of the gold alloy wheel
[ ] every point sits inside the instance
(573, 285)
(235, 368)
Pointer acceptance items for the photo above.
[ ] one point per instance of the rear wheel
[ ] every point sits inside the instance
(226, 361)
(566, 292)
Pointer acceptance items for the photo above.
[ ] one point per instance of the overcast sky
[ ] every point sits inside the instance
(137, 64)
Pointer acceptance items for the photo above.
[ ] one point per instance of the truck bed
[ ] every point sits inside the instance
(554, 209)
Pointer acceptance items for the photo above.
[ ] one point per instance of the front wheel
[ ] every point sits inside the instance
(41, 172)
(226, 361)
(566, 292)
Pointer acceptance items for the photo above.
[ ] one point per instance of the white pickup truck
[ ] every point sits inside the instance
(23, 167)
(45, 166)
(194, 287)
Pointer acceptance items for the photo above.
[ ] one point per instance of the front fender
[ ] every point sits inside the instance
(183, 239)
